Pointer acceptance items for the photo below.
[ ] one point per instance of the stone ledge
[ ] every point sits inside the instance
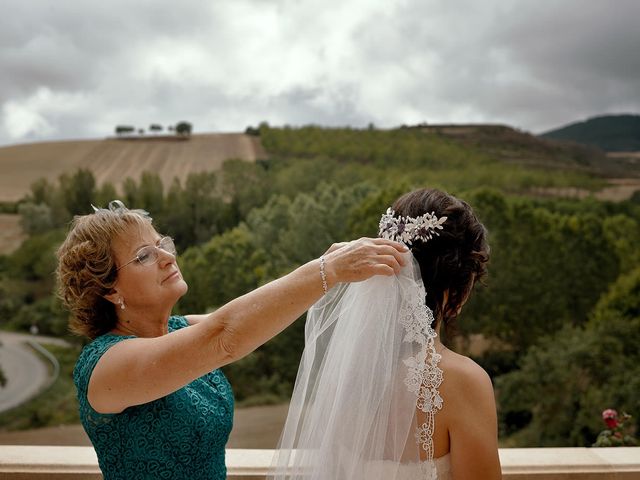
(74, 463)
(570, 463)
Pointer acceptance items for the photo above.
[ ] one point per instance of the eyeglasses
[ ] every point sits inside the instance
(149, 255)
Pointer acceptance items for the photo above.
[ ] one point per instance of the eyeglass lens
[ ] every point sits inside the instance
(149, 255)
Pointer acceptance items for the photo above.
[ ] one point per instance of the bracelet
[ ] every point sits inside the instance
(323, 275)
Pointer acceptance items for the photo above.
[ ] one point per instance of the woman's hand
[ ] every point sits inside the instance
(363, 258)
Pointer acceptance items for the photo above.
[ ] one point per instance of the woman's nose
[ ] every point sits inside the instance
(165, 257)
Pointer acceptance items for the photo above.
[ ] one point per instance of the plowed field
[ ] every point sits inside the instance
(113, 160)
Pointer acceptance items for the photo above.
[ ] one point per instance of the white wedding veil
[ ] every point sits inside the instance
(366, 393)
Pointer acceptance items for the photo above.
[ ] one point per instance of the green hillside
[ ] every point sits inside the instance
(611, 133)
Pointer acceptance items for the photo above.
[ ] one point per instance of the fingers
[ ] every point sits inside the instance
(385, 248)
(391, 262)
(400, 257)
(385, 270)
(401, 247)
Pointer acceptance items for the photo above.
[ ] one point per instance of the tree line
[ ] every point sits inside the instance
(181, 128)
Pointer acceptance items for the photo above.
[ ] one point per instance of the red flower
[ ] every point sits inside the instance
(610, 417)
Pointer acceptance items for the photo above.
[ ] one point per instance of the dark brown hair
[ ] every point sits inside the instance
(454, 260)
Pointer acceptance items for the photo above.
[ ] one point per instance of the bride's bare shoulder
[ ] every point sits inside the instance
(462, 377)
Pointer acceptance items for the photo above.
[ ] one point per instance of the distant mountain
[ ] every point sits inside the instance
(611, 133)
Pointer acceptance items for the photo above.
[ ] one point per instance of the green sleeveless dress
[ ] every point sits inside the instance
(180, 436)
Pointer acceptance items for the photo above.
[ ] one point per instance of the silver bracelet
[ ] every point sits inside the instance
(323, 275)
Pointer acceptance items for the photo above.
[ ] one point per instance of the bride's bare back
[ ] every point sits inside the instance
(466, 426)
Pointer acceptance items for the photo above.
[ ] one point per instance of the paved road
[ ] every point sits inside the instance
(26, 373)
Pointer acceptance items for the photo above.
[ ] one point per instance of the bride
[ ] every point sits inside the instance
(378, 396)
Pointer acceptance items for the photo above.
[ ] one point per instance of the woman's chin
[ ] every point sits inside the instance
(178, 289)
(183, 288)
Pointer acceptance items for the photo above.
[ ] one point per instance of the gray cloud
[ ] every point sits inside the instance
(73, 69)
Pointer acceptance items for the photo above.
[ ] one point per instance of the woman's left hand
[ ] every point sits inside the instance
(363, 258)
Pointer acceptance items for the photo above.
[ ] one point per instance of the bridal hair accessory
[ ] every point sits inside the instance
(409, 229)
(116, 206)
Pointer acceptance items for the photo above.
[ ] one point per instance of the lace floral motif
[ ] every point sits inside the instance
(423, 374)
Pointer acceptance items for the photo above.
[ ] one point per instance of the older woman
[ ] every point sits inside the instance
(152, 398)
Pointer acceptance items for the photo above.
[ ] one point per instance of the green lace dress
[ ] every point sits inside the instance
(180, 436)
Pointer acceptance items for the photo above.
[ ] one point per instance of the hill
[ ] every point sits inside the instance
(514, 146)
(611, 133)
(113, 160)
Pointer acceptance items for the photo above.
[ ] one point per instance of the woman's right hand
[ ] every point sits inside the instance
(363, 258)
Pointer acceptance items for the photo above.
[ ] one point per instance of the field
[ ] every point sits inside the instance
(113, 160)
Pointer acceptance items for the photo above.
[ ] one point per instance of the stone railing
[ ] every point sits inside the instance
(75, 463)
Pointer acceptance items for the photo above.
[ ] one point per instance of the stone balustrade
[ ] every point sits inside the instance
(75, 463)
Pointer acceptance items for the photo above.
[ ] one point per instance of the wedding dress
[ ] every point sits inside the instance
(366, 393)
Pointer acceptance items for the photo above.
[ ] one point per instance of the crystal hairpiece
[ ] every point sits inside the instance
(409, 229)
(116, 206)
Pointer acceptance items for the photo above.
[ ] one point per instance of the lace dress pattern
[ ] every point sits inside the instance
(423, 374)
(180, 436)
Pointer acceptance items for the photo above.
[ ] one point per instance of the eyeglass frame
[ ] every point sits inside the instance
(155, 247)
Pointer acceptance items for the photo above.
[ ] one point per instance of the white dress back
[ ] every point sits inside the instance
(401, 471)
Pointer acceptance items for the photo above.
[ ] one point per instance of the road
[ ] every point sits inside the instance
(25, 371)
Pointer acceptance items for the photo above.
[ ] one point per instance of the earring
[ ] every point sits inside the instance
(121, 302)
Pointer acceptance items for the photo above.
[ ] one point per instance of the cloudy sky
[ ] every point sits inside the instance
(76, 68)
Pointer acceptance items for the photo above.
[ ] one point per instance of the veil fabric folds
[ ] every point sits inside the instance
(367, 388)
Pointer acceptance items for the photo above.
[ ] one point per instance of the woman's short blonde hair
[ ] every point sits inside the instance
(86, 269)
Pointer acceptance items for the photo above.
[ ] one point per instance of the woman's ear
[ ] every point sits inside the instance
(113, 296)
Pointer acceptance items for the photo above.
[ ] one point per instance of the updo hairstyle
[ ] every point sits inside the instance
(451, 261)
(86, 269)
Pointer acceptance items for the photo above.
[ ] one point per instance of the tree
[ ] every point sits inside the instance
(130, 190)
(566, 381)
(123, 129)
(623, 233)
(225, 267)
(42, 191)
(528, 299)
(78, 191)
(253, 131)
(150, 195)
(105, 194)
(155, 127)
(245, 185)
(183, 128)
(35, 259)
(35, 218)
(197, 211)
